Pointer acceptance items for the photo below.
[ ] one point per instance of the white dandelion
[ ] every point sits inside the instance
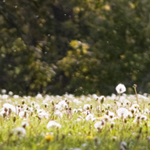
(53, 124)
(120, 88)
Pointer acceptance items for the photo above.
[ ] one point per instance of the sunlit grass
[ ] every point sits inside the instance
(75, 130)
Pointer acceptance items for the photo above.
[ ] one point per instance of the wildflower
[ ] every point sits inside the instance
(102, 99)
(99, 124)
(58, 114)
(120, 88)
(143, 118)
(57, 107)
(108, 106)
(123, 112)
(89, 117)
(14, 118)
(10, 93)
(97, 141)
(86, 107)
(89, 137)
(79, 110)
(88, 99)
(32, 103)
(146, 110)
(23, 114)
(49, 137)
(24, 124)
(111, 114)
(148, 138)
(4, 91)
(63, 104)
(79, 119)
(45, 105)
(112, 124)
(76, 149)
(114, 138)
(137, 119)
(133, 110)
(23, 101)
(74, 111)
(5, 96)
(95, 96)
(16, 96)
(20, 131)
(84, 145)
(9, 106)
(37, 106)
(106, 118)
(43, 114)
(3, 113)
(39, 96)
(123, 145)
(77, 101)
(53, 124)
(136, 106)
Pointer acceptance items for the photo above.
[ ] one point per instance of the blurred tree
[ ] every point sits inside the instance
(74, 46)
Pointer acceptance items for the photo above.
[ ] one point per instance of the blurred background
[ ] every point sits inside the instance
(74, 46)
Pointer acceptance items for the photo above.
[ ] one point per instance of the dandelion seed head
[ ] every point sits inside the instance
(120, 88)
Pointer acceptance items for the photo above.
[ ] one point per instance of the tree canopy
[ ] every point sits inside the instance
(79, 47)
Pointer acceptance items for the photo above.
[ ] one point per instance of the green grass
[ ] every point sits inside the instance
(73, 134)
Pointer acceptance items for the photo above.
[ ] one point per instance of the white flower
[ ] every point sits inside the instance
(88, 99)
(111, 114)
(108, 106)
(106, 118)
(23, 114)
(86, 107)
(63, 104)
(146, 110)
(58, 114)
(79, 119)
(101, 99)
(133, 110)
(76, 149)
(77, 101)
(9, 106)
(53, 124)
(20, 131)
(3, 113)
(120, 88)
(5, 96)
(74, 111)
(16, 96)
(123, 145)
(143, 117)
(95, 96)
(89, 117)
(39, 96)
(43, 114)
(123, 112)
(135, 106)
(10, 93)
(24, 124)
(99, 124)
(4, 91)
(57, 107)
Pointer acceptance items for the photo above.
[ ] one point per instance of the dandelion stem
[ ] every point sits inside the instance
(135, 86)
(119, 97)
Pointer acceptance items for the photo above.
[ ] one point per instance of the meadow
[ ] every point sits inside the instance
(92, 122)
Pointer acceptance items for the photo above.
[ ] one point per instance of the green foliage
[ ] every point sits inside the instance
(75, 46)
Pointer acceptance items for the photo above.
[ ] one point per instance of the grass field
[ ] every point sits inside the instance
(116, 122)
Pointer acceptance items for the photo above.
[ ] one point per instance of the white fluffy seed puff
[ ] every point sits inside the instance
(120, 88)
